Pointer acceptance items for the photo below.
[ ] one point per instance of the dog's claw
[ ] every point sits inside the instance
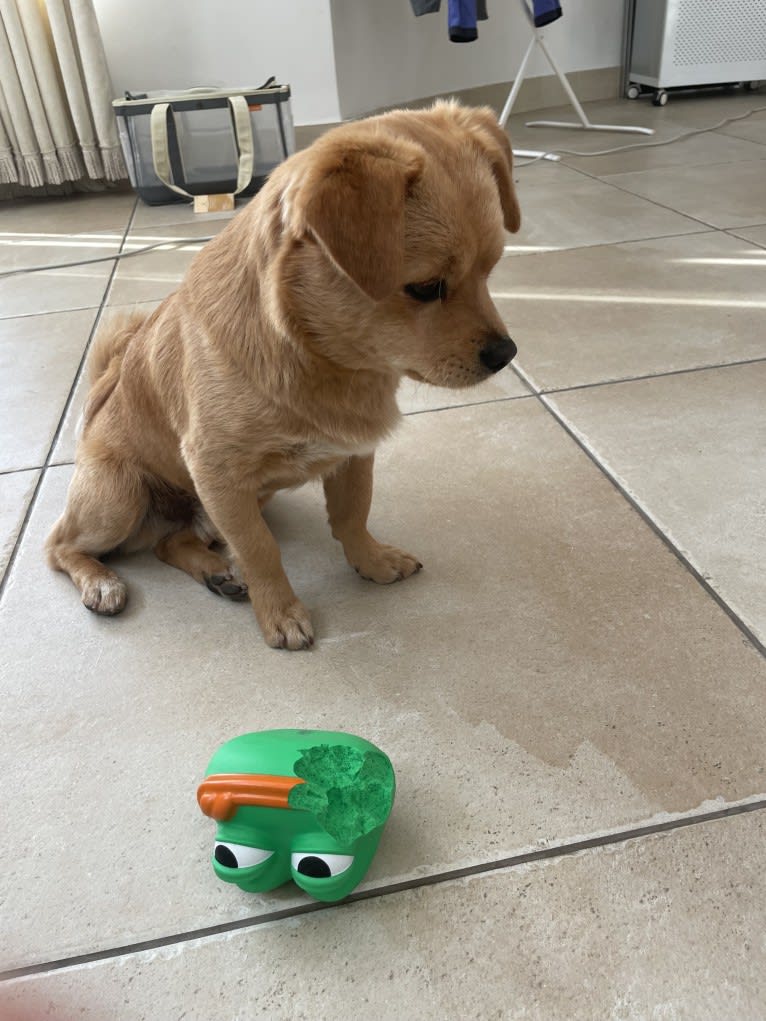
(283, 642)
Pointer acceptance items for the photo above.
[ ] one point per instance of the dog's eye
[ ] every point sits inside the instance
(432, 290)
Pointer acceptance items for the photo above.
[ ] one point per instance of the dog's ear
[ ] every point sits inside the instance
(501, 159)
(496, 145)
(351, 200)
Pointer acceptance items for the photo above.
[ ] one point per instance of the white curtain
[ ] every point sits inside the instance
(56, 119)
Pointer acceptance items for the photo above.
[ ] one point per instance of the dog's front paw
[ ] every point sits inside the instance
(105, 595)
(288, 627)
(385, 564)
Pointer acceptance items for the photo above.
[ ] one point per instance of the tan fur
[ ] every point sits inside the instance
(278, 358)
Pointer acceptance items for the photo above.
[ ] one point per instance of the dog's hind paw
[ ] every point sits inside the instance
(227, 585)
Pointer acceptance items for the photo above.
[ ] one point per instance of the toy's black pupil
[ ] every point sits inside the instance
(225, 856)
(314, 867)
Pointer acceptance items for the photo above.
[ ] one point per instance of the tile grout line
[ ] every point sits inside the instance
(654, 202)
(552, 852)
(650, 376)
(614, 244)
(20, 471)
(115, 305)
(50, 312)
(671, 166)
(472, 404)
(67, 404)
(644, 514)
(748, 241)
(706, 229)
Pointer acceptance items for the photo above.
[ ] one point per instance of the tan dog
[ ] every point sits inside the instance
(363, 259)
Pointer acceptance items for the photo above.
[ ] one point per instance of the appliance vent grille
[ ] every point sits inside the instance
(720, 31)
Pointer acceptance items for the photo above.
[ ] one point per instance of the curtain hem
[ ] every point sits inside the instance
(56, 120)
(31, 171)
(8, 172)
(114, 164)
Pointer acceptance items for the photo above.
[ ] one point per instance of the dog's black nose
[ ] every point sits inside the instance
(497, 352)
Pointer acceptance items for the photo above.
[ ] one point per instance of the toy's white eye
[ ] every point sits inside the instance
(320, 866)
(239, 856)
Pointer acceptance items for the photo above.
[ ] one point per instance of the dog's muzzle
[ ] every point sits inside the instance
(497, 352)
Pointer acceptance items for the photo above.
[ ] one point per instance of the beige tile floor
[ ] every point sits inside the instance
(572, 691)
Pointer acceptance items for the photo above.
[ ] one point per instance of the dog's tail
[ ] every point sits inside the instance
(105, 359)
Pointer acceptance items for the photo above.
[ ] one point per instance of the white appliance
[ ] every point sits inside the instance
(687, 43)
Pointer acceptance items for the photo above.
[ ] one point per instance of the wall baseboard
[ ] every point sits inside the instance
(305, 134)
(535, 94)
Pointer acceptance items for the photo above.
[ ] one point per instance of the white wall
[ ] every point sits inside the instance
(341, 57)
(385, 55)
(178, 44)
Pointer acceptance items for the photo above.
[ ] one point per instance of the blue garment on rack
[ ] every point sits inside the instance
(462, 21)
(462, 16)
(545, 11)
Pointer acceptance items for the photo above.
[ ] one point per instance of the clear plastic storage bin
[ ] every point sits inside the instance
(204, 136)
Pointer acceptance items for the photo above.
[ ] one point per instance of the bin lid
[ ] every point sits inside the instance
(197, 99)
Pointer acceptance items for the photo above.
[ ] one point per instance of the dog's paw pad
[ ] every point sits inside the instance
(106, 596)
(226, 585)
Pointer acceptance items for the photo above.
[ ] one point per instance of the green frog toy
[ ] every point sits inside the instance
(306, 805)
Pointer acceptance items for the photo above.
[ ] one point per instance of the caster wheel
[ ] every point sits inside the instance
(633, 91)
(660, 98)
(752, 86)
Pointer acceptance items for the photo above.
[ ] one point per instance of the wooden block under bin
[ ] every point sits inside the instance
(222, 203)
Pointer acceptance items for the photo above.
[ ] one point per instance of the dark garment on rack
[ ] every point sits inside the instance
(462, 16)
(545, 11)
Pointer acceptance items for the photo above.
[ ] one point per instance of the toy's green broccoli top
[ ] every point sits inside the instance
(347, 790)
(300, 804)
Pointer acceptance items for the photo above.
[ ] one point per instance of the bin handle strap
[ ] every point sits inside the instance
(243, 129)
(158, 125)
